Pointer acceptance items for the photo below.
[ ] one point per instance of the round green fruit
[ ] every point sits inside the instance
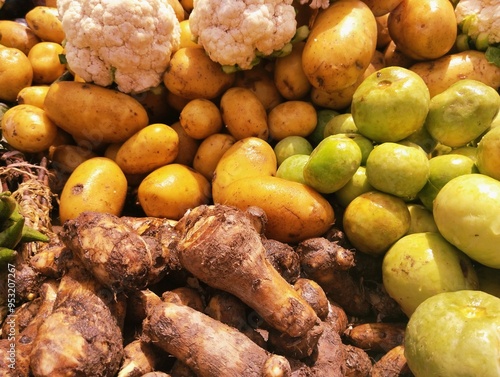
(462, 112)
(420, 265)
(421, 219)
(291, 145)
(455, 334)
(356, 186)
(442, 169)
(332, 163)
(324, 116)
(340, 124)
(467, 213)
(488, 154)
(390, 104)
(292, 169)
(374, 220)
(397, 169)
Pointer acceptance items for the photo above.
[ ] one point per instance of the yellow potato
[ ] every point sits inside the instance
(16, 73)
(201, 118)
(381, 7)
(289, 76)
(93, 113)
(150, 148)
(292, 118)
(44, 58)
(33, 95)
(423, 29)
(171, 190)
(439, 74)
(210, 152)
(68, 157)
(15, 34)
(45, 23)
(187, 36)
(28, 129)
(394, 56)
(249, 157)
(97, 184)
(340, 45)
(192, 74)
(178, 9)
(244, 114)
(383, 36)
(260, 81)
(294, 211)
(187, 146)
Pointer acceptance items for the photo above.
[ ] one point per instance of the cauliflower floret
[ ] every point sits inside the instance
(316, 4)
(234, 32)
(486, 18)
(127, 42)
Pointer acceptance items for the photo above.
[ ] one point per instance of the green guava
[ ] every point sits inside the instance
(356, 186)
(462, 112)
(390, 104)
(421, 219)
(332, 163)
(323, 117)
(442, 169)
(467, 213)
(340, 124)
(397, 169)
(292, 169)
(420, 265)
(488, 154)
(291, 145)
(374, 220)
(455, 334)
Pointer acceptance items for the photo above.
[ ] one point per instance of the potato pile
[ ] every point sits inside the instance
(176, 245)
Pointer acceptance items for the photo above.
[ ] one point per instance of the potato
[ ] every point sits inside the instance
(93, 113)
(439, 74)
(148, 149)
(210, 152)
(289, 76)
(249, 157)
(33, 95)
(394, 56)
(340, 45)
(16, 73)
(178, 9)
(423, 29)
(201, 118)
(383, 37)
(187, 146)
(244, 114)
(292, 118)
(260, 81)
(381, 7)
(294, 211)
(28, 129)
(97, 184)
(44, 58)
(15, 34)
(67, 157)
(45, 23)
(171, 190)
(187, 36)
(192, 74)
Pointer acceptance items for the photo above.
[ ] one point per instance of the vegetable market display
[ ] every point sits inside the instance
(249, 188)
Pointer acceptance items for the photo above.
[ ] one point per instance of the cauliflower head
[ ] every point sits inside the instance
(483, 16)
(236, 32)
(127, 42)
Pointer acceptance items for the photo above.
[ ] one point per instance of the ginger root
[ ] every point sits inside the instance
(209, 347)
(220, 246)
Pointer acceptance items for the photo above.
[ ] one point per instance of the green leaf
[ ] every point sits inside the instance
(493, 55)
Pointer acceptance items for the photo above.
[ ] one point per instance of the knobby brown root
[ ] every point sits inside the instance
(209, 347)
(377, 336)
(221, 247)
(90, 342)
(392, 364)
